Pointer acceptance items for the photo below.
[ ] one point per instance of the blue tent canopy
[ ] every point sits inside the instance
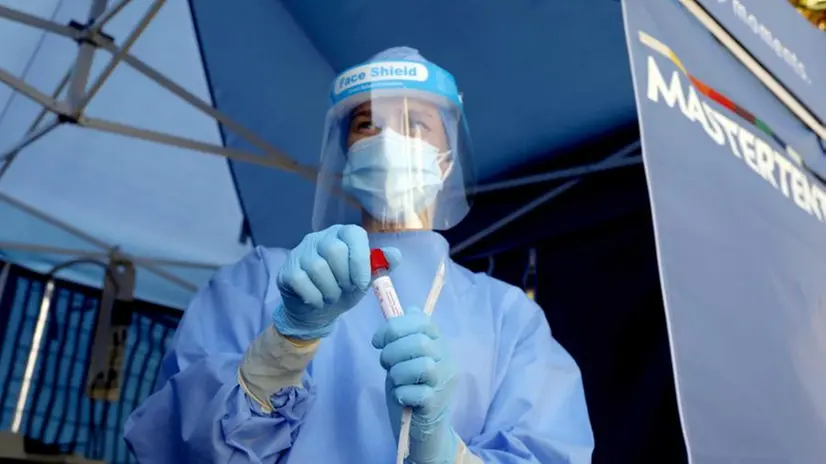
(531, 92)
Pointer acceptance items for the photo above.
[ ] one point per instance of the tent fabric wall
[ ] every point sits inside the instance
(59, 417)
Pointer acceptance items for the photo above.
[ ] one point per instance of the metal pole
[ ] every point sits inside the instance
(278, 157)
(83, 62)
(94, 241)
(578, 171)
(124, 49)
(40, 115)
(29, 139)
(34, 352)
(104, 374)
(535, 203)
(37, 337)
(108, 15)
(83, 65)
(39, 97)
(174, 140)
(46, 249)
(4, 277)
(40, 23)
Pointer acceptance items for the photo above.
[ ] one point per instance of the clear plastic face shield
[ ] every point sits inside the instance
(396, 152)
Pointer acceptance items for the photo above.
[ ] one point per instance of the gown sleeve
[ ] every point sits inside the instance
(199, 412)
(538, 413)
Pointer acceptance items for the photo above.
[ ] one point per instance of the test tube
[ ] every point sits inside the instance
(391, 307)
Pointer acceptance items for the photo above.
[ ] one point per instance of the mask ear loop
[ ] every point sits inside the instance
(447, 171)
(446, 118)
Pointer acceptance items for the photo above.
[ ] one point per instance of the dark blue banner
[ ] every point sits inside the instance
(740, 224)
(783, 41)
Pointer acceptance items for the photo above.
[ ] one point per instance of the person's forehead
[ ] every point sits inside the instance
(396, 105)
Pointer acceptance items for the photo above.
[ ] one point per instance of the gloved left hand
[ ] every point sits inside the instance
(420, 375)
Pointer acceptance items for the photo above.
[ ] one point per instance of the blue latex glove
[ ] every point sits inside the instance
(327, 274)
(420, 376)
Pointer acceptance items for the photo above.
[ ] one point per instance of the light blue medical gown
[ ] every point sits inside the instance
(518, 397)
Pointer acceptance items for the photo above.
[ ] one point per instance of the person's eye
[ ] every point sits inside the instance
(366, 126)
(418, 127)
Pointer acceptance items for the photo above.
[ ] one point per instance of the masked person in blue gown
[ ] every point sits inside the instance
(286, 356)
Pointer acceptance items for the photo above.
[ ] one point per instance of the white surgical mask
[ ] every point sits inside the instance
(394, 177)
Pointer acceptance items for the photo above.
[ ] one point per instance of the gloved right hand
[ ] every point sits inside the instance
(327, 274)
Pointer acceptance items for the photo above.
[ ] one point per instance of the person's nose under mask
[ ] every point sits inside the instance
(395, 178)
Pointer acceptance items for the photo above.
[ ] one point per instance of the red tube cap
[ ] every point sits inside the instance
(378, 261)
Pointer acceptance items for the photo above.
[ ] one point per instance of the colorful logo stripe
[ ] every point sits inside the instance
(716, 96)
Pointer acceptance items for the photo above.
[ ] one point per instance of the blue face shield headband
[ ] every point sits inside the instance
(395, 178)
(391, 176)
